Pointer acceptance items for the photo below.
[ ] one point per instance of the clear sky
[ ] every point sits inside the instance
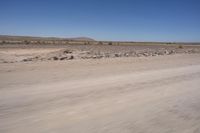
(117, 20)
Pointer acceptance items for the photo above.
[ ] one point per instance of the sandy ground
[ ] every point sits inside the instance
(115, 95)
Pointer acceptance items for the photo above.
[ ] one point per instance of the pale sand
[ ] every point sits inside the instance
(115, 95)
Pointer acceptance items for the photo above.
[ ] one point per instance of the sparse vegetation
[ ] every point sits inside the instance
(86, 43)
(66, 42)
(3, 42)
(100, 43)
(169, 43)
(180, 46)
(26, 41)
(38, 42)
(110, 43)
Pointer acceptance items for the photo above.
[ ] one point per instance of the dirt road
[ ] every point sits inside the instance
(123, 95)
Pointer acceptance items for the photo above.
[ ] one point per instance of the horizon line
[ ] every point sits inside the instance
(86, 37)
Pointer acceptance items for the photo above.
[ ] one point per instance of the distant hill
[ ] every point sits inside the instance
(8, 37)
(81, 39)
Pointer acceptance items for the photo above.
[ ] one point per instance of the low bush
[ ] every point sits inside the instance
(110, 43)
(180, 46)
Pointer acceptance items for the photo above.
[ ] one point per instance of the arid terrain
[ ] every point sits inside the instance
(29, 53)
(33, 49)
(99, 88)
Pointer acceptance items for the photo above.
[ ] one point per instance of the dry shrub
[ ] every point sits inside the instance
(180, 46)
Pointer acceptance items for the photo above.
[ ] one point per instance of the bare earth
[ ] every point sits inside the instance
(33, 53)
(114, 95)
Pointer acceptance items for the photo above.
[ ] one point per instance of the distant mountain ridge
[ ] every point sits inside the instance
(10, 37)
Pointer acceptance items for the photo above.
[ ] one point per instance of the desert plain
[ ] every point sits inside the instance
(99, 88)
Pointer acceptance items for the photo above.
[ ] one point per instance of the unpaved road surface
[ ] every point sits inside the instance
(121, 95)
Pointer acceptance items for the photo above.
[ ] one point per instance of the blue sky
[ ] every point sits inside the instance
(117, 20)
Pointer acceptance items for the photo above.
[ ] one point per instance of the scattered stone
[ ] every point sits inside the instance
(5, 62)
(117, 55)
(145, 54)
(28, 59)
(94, 57)
(63, 58)
(55, 58)
(67, 52)
(126, 54)
(71, 57)
(166, 52)
(92, 54)
(172, 52)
